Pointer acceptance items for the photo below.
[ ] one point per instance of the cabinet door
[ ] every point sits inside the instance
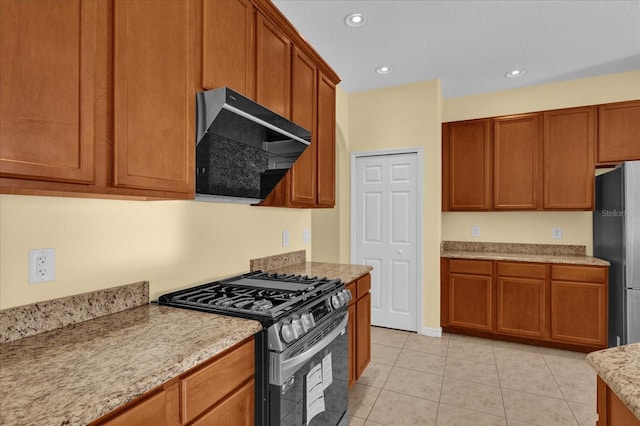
(618, 132)
(521, 307)
(569, 172)
(363, 333)
(579, 313)
(236, 409)
(228, 45)
(212, 382)
(154, 45)
(466, 165)
(470, 298)
(273, 67)
(303, 112)
(47, 87)
(326, 140)
(517, 160)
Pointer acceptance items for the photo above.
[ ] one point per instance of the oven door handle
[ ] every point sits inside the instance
(291, 365)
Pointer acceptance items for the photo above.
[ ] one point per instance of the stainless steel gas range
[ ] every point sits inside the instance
(301, 354)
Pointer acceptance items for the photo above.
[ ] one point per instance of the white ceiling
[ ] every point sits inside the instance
(470, 44)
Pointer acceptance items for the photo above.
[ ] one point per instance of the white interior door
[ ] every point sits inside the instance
(385, 224)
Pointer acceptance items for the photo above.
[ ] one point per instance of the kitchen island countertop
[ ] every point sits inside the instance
(619, 367)
(78, 373)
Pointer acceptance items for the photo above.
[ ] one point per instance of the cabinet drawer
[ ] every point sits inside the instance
(236, 410)
(352, 288)
(478, 267)
(364, 285)
(591, 274)
(524, 270)
(206, 386)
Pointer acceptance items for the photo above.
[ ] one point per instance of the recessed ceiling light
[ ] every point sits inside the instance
(514, 73)
(384, 69)
(354, 20)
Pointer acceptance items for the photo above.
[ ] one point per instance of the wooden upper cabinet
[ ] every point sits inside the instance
(517, 160)
(47, 90)
(466, 160)
(326, 140)
(229, 26)
(303, 190)
(154, 106)
(618, 133)
(273, 67)
(569, 170)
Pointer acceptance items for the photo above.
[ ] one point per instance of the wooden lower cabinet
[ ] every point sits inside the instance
(579, 305)
(522, 305)
(611, 410)
(359, 327)
(470, 293)
(527, 302)
(220, 391)
(160, 408)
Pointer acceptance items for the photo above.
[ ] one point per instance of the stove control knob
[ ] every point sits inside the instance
(347, 295)
(287, 333)
(307, 321)
(335, 301)
(297, 327)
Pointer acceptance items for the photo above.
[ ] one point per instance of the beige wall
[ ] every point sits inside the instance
(106, 243)
(399, 117)
(534, 227)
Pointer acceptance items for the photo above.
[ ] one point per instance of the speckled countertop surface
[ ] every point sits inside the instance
(345, 272)
(542, 253)
(78, 373)
(619, 367)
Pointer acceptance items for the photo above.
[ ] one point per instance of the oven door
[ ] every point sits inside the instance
(312, 385)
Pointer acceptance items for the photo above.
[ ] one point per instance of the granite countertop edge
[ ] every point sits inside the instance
(155, 362)
(619, 367)
(523, 257)
(343, 271)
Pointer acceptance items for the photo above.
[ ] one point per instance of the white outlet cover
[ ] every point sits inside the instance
(285, 237)
(42, 265)
(475, 231)
(306, 236)
(556, 233)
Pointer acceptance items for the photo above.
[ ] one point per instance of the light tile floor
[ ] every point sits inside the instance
(458, 381)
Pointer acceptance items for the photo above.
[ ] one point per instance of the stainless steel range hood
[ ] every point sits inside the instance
(242, 148)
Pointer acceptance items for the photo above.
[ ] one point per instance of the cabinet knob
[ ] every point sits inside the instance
(399, 251)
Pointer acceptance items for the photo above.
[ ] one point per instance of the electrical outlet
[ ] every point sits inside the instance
(556, 233)
(285, 237)
(42, 265)
(475, 231)
(306, 236)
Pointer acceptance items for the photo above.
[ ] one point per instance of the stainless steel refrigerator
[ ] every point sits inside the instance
(616, 238)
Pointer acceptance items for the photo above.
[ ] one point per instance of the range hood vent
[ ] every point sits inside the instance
(242, 148)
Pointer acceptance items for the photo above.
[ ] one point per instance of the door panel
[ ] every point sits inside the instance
(385, 205)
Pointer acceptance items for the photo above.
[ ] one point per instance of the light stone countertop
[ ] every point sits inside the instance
(519, 252)
(78, 373)
(345, 272)
(525, 257)
(619, 367)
